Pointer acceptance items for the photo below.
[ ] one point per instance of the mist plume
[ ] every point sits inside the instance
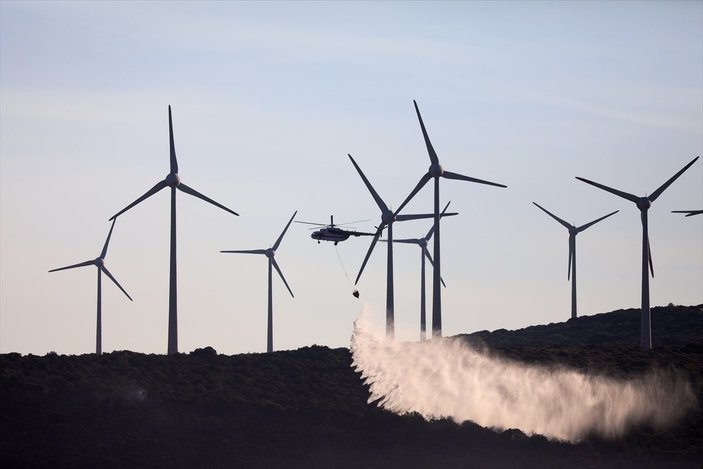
(447, 378)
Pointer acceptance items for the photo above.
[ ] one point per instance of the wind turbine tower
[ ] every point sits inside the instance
(387, 220)
(573, 231)
(424, 253)
(436, 172)
(643, 203)
(99, 262)
(270, 253)
(173, 181)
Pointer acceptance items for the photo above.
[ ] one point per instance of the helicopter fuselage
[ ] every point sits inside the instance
(332, 234)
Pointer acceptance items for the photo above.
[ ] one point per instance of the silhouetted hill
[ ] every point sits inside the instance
(308, 408)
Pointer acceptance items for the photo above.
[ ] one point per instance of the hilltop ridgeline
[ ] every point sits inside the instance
(308, 408)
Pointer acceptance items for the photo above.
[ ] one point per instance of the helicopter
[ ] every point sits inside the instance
(332, 232)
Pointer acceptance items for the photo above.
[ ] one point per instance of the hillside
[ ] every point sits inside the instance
(308, 408)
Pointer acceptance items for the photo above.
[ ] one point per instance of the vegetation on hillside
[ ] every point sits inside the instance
(308, 408)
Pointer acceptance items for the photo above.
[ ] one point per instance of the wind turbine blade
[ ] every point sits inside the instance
(567, 225)
(103, 253)
(430, 148)
(431, 231)
(174, 163)
(588, 225)
(689, 213)
(247, 251)
(368, 253)
(403, 241)
(624, 195)
(429, 257)
(82, 264)
(159, 185)
(107, 272)
(278, 241)
(673, 178)
(651, 262)
(420, 216)
(571, 256)
(381, 204)
(420, 185)
(278, 269)
(461, 177)
(193, 192)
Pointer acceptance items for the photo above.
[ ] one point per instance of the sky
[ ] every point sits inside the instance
(268, 99)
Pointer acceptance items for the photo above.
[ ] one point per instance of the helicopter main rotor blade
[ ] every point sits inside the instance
(157, 187)
(310, 223)
(103, 253)
(193, 192)
(174, 163)
(81, 264)
(278, 241)
(107, 272)
(278, 269)
(566, 225)
(663, 187)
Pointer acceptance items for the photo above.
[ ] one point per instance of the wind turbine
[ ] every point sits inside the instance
(689, 212)
(573, 231)
(422, 243)
(270, 253)
(173, 181)
(99, 262)
(387, 220)
(436, 171)
(643, 203)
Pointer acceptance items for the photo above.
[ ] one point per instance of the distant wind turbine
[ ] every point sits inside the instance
(99, 262)
(173, 181)
(270, 253)
(573, 231)
(643, 203)
(422, 243)
(689, 212)
(387, 220)
(436, 171)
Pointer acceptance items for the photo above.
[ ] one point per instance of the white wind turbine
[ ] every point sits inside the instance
(436, 171)
(99, 262)
(270, 253)
(387, 220)
(424, 253)
(643, 203)
(573, 231)
(173, 181)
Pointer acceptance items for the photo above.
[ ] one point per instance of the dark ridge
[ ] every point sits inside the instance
(308, 408)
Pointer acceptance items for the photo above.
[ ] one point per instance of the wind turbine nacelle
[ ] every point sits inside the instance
(435, 170)
(173, 180)
(100, 262)
(643, 203)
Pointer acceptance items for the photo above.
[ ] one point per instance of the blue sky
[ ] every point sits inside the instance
(268, 98)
